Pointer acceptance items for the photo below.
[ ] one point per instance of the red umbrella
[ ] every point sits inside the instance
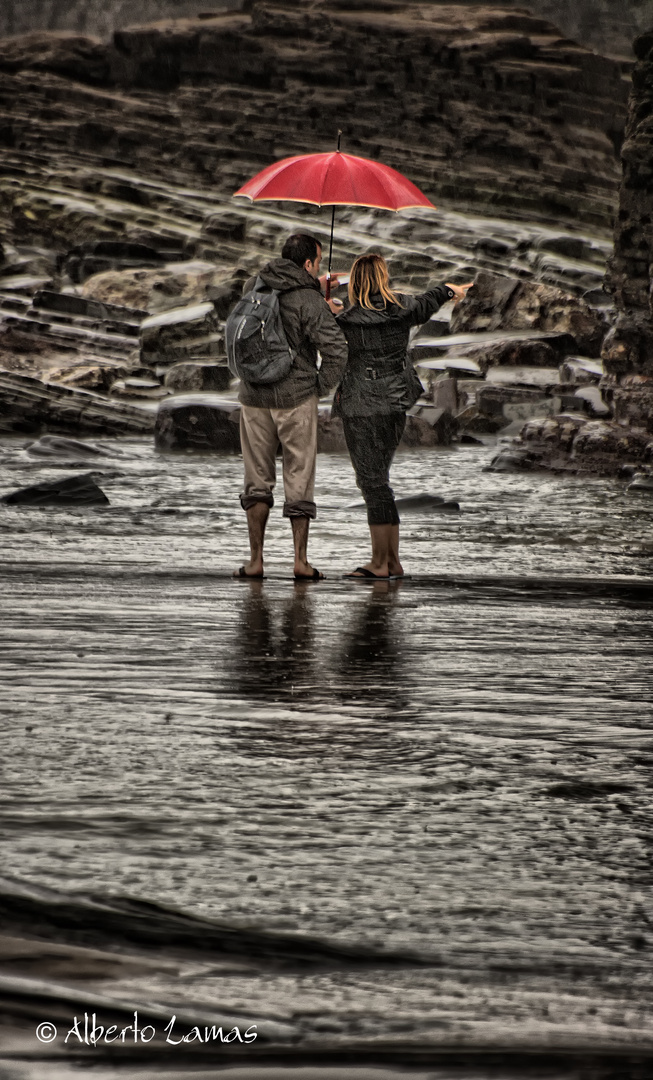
(334, 179)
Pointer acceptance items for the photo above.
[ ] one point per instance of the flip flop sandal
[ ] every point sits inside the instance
(248, 577)
(315, 576)
(361, 574)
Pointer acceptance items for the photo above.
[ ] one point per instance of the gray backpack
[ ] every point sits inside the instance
(257, 347)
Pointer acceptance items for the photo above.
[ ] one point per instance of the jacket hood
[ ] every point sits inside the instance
(284, 274)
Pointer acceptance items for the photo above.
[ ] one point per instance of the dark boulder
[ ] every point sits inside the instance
(507, 304)
(642, 483)
(60, 446)
(511, 459)
(419, 504)
(80, 490)
(426, 426)
(204, 423)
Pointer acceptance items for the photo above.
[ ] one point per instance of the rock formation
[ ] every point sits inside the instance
(608, 26)
(628, 348)
(495, 107)
(98, 17)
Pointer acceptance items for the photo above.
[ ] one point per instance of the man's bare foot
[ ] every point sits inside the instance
(395, 569)
(250, 570)
(303, 571)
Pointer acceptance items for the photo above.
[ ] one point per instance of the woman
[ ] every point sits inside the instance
(378, 387)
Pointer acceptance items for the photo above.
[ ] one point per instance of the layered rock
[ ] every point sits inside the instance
(29, 405)
(605, 25)
(496, 108)
(198, 422)
(184, 378)
(171, 286)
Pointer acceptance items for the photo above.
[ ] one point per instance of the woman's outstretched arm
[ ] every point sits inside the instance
(420, 308)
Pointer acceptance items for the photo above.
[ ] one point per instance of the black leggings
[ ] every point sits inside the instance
(372, 441)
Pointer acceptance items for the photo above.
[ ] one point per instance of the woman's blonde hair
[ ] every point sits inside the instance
(369, 277)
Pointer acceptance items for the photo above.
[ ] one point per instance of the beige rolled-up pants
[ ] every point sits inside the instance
(261, 431)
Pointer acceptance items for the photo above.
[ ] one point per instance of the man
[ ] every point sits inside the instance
(286, 411)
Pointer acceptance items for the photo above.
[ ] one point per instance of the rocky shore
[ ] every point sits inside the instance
(122, 250)
(622, 444)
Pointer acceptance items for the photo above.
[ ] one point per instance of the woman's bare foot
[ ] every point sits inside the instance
(379, 570)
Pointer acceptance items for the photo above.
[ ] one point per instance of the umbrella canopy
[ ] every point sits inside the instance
(334, 179)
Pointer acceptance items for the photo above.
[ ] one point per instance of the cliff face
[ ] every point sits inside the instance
(628, 349)
(492, 107)
(608, 26)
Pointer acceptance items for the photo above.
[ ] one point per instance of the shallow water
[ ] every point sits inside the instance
(182, 512)
(457, 766)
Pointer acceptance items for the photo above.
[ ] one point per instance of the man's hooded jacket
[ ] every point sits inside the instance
(310, 327)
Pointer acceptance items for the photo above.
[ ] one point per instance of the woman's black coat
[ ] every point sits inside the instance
(379, 377)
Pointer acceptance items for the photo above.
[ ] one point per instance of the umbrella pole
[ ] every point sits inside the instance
(328, 278)
(333, 218)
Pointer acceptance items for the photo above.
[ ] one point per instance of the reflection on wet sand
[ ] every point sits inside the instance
(273, 656)
(278, 655)
(454, 768)
(369, 665)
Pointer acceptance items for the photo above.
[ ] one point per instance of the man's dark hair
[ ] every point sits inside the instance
(299, 247)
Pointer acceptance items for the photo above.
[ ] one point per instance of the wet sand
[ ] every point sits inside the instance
(402, 824)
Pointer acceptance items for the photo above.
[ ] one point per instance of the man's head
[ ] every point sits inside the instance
(305, 251)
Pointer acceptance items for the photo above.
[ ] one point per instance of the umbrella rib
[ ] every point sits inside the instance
(329, 162)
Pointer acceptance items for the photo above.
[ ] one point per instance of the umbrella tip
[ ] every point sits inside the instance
(339, 134)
